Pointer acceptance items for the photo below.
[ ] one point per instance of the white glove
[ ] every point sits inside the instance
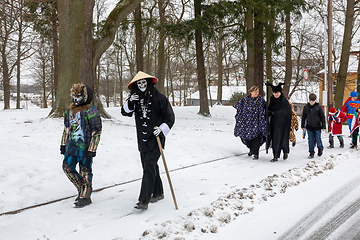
(157, 131)
(134, 97)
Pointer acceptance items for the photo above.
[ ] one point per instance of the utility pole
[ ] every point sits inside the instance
(330, 75)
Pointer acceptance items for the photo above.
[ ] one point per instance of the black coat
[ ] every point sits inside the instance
(280, 121)
(313, 117)
(159, 111)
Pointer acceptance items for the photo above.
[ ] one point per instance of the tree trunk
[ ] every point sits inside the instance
(220, 69)
(345, 53)
(269, 53)
(250, 50)
(139, 39)
(259, 54)
(288, 67)
(79, 53)
(161, 51)
(55, 45)
(204, 105)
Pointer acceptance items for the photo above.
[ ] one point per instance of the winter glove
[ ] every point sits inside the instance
(62, 149)
(157, 131)
(132, 100)
(90, 154)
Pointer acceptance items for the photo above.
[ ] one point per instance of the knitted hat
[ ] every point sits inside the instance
(353, 94)
(332, 111)
(141, 75)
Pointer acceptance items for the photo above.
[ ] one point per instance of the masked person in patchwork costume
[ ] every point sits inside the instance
(79, 142)
(154, 116)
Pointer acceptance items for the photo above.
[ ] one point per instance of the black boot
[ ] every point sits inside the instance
(286, 155)
(141, 206)
(155, 199)
(274, 160)
(331, 141)
(341, 140)
(320, 152)
(311, 155)
(83, 202)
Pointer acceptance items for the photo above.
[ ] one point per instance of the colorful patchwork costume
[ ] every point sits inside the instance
(80, 140)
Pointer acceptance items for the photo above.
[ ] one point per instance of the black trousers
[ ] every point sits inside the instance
(151, 182)
(254, 144)
(354, 136)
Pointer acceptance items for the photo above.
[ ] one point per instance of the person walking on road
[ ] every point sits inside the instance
(80, 140)
(154, 117)
(280, 122)
(313, 119)
(250, 121)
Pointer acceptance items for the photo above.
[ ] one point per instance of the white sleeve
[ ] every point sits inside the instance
(165, 129)
(126, 107)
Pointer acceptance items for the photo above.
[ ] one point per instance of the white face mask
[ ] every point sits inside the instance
(142, 85)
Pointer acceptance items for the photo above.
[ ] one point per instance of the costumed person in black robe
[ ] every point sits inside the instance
(250, 121)
(154, 117)
(280, 121)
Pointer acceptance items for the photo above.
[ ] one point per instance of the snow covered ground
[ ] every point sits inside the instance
(220, 191)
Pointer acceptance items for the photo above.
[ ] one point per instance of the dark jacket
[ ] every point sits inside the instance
(159, 111)
(280, 121)
(313, 117)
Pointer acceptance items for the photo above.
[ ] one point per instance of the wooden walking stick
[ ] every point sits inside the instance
(167, 171)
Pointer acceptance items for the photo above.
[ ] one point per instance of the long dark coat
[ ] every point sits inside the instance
(280, 121)
(159, 111)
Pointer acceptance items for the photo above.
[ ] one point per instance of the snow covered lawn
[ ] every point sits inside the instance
(221, 192)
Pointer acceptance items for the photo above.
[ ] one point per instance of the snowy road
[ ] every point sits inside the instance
(325, 228)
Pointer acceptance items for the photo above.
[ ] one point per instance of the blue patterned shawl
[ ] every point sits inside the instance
(250, 118)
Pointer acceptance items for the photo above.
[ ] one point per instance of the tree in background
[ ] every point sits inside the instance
(79, 51)
(43, 71)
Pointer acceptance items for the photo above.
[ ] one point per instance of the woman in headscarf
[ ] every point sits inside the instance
(280, 121)
(250, 121)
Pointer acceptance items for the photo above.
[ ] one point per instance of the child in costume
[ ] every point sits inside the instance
(80, 140)
(335, 118)
(350, 106)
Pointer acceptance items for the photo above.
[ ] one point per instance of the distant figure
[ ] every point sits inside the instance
(294, 125)
(154, 117)
(355, 123)
(250, 121)
(80, 140)
(313, 119)
(350, 106)
(336, 117)
(280, 122)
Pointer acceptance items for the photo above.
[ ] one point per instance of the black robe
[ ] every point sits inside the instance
(280, 121)
(159, 111)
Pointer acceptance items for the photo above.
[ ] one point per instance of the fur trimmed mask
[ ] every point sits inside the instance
(81, 94)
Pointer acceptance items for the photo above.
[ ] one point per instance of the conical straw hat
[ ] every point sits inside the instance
(141, 75)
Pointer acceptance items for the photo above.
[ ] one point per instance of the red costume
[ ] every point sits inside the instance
(336, 117)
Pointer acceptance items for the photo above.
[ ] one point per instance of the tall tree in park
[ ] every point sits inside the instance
(160, 73)
(345, 53)
(44, 16)
(139, 39)
(15, 45)
(204, 104)
(79, 52)
(289, 8)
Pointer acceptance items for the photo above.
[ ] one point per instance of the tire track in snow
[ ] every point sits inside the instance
(334, 223)
(116, 185)
(301, 227)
